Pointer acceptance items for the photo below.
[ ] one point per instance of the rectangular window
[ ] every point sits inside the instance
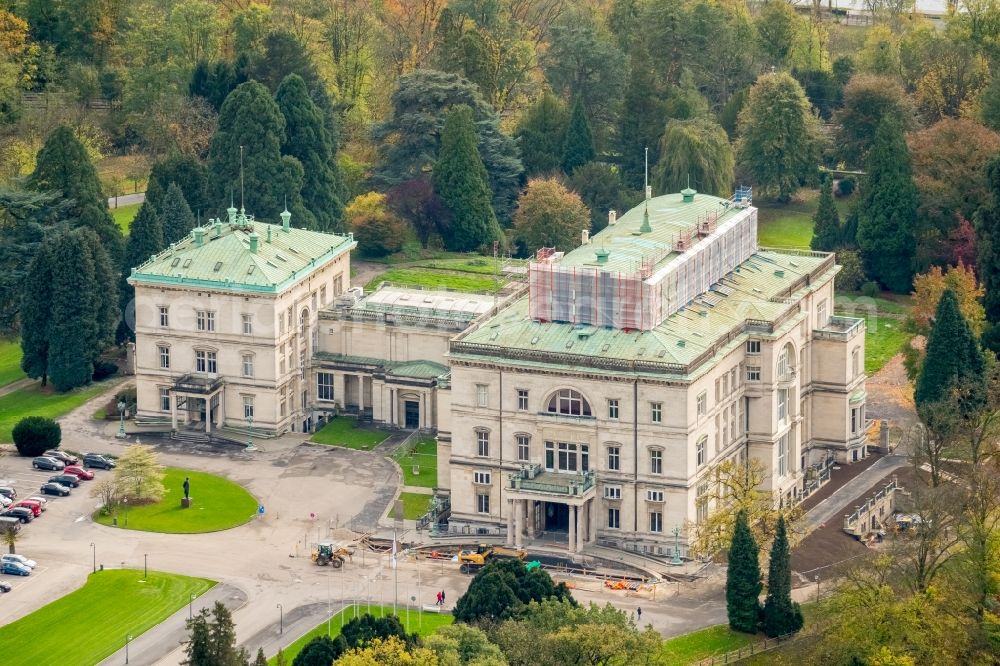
(782, 406)
(725, 426)
(725, 384)
(656, 461)
(753, 373)
(283, 403)
(213, 367)
(733, 379)
(482, 395)
(718, 395)
(210, 320)
(855, 362)
(700, 451)
(338, 285)
(164, 356)
(702, 403)
(483, 502)
(324, 386)
(701, 503)
(614, 519)
(199, 320)
(522, 399)
(164, 400)
(483, 443)
(248, 365)
(200, 362)
(481, 478)
(753, 346)
(656, 412)
(821, 314)
(613, 409)
(523, 447)
(164, 316)
(550, 455)
(248, 406)
(613, 492)
(655, 521)
(614, 458)
(322, 295)
(782, 371)
(654, 495)
(584, 458)
(744, 421)
(783, 455)
(247, 324)
(281, 325)
(281, 365)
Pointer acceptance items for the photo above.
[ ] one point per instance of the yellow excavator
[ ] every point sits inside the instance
(327, 553)
(473, 560)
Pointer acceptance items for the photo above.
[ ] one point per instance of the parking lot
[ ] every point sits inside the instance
(17, 473)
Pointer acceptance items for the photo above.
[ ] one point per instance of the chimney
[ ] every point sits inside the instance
(285, 218)
(584, 237)
(199, 236)
(687, 195)
(254, 240)
(269, 233)
(612, 218)
(232, 213)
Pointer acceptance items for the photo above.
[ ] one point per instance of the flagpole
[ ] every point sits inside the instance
(395, 575)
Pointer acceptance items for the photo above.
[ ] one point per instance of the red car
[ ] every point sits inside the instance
(36, 507)
(79, 472)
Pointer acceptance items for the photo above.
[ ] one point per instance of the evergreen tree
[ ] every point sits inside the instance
(642, 124)
(283, 55)
(190, 175)
(743, 579)
(541, 135)
(222, 638)
(826, 222)
(578, 148)
(104, 292)
(145, 238)
(953, 360)
(321, 651)
(695, 153)
(887, 212)
(781, 615)
(199, 646)
(987, 223)
(35, 317)
(64, 166)
(308, 141)
(460, 180)
(176, 218)
(260, 659)
(250, 118)
(73, 328)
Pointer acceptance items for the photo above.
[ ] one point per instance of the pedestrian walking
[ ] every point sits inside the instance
(638, 613)
(438, 602)
(442, 597)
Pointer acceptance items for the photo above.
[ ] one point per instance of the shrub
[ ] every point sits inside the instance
(378, 234)
(852, 274)
(870, 289)
(104, 369)
(33, 435)
(846, 186)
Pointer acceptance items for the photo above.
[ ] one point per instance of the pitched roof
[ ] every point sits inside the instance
(220, 256)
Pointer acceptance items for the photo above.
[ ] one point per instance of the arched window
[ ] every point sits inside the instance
(568, 401)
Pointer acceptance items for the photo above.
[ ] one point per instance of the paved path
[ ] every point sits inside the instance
(834, 505)
(166, 636)
(17, 386)
(126, 200)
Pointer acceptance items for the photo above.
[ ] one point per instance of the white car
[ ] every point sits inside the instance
(41, 500)
(20, 559)
(5, 501)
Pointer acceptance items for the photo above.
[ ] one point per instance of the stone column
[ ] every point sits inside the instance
(571, 542)
(361, 393)
(510, 522)
(208, 415)
(339, 389)
(518, 523)
(580, 528)
(594, 517)
(531, 519)
(424, 420)
(220, 415)
(173, 411)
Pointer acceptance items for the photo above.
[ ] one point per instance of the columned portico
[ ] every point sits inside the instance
(575, 491)
(206, 390)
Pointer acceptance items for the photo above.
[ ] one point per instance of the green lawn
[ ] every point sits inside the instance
(345, 431)
(420, 622)
(38, 401)
(785, 227)
(124, 215)
(467, 263)
(884, 338)
(434, 278)
(10, 362)
(217, 504)
(854, 304)
(424, 455)
(704, 643)
(415, 504)
(85, 626)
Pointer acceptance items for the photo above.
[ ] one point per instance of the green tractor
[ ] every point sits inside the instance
(327, 553)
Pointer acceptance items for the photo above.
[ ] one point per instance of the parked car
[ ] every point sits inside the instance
(5, 587)
(34, 507)
(8, 492)
(79, 472)
(19, 512)
(15, 569)
(54, 489)
(41, 500)
(5, 501)
(49, 463)
(20, 559)
(65, 479)
(98, 461)
(66, 458)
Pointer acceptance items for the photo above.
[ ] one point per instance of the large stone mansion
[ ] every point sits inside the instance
(595, 400)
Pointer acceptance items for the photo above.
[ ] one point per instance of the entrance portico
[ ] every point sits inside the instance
(201, 393)
(539, 500)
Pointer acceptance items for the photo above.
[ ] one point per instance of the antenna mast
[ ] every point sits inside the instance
(241, 178)
(645, 177)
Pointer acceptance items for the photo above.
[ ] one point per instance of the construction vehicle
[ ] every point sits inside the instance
(328, 553)
(471, 561)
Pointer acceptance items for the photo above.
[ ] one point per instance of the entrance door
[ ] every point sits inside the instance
(556, 517)
(201, 409)
(411, 411)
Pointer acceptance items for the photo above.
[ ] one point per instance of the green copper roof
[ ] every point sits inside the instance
(627, 242)
(418, 369)
(220, 256)
(757, 291)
